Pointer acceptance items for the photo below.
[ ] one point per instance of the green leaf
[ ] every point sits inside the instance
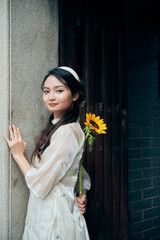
(90, 149)
(91, 141)
(85, 129)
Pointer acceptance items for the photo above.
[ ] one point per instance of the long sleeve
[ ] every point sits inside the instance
(56, 160)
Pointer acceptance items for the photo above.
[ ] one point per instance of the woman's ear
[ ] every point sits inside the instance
(76, 96)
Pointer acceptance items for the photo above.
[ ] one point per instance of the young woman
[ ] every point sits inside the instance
(52, 178)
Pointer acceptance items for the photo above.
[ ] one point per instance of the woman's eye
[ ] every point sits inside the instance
(59, 90)
(46, 91)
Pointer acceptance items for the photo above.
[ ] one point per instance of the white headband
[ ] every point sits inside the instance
(71, 71)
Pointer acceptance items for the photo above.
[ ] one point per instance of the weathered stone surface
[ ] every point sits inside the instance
(28, 49)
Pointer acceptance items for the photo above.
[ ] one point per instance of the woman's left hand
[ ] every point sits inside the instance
(16, 143)
(82, 202)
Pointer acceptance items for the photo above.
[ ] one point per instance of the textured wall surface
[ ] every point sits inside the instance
(144, 123)
(29, 48)
(4, 119)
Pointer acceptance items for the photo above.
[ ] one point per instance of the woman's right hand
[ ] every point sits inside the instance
(82, 202)
(16, 143)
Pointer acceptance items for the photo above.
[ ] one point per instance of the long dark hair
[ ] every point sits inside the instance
(72, 115)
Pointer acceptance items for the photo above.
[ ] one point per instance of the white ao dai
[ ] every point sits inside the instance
(52, 209)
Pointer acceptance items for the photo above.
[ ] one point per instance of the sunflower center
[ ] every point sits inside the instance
(94, 124)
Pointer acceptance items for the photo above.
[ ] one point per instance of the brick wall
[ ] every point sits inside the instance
(143, 128)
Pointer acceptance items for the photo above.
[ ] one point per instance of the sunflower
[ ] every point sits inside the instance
(93, 126)
(95, 123)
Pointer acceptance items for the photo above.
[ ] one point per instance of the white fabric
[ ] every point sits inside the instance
(71, 71)
(55, 120)
(52, 209)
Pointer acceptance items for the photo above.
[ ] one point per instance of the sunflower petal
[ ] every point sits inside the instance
(95, 123)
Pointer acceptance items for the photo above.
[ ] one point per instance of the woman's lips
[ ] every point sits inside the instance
(53, 104)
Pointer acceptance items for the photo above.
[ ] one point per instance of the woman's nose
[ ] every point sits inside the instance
(51, 96)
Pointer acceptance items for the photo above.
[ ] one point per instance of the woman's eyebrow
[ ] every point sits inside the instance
(46, 87)
(56, 86)
(59, 86)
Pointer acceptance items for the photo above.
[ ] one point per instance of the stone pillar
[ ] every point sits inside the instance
(28, 49)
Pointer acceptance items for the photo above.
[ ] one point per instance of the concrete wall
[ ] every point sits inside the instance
(29, 48)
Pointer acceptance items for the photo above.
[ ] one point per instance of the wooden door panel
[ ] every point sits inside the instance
(92, 41)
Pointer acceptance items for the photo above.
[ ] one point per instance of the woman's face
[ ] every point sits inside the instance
(57, 97)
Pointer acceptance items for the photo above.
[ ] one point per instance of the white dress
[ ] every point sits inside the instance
(52, 209)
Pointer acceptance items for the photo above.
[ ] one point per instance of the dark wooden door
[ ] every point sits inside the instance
(93, 42)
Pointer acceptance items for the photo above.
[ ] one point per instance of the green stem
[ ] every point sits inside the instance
(80, 166)
(80, 178)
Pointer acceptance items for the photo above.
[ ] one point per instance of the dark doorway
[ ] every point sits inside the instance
(93, 42)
